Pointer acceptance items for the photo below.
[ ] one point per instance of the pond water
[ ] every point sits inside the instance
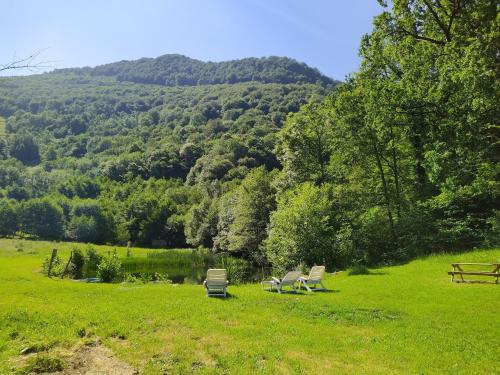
(178, 273)
(189, 267)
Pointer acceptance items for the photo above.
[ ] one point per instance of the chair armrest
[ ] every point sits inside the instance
(276, 280)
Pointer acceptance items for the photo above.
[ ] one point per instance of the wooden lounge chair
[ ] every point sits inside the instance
(290, 279)
(315, 277)
(216, 282)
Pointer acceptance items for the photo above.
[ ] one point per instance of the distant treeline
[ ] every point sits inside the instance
(178, 70)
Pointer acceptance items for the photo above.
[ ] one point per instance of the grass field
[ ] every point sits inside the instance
(405, 319)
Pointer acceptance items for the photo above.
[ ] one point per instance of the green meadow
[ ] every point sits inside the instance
(402, 319)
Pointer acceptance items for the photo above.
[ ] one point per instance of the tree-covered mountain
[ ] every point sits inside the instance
(119, 161)
(178, 70)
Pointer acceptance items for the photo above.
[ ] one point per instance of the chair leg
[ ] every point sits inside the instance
(321, 283)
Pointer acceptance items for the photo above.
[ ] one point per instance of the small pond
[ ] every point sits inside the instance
(189, 267)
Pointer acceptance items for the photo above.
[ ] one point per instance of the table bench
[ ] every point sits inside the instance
(458, 270)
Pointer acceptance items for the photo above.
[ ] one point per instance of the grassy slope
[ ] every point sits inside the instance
(404, 319)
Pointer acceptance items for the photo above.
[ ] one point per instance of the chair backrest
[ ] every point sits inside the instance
(216, 277)
(291, 277)
(316, 273)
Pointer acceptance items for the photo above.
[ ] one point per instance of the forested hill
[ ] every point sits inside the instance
(178, 70)
(112, 156)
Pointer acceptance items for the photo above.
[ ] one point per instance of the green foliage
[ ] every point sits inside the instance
(303, 230)
(146, 277)
(9, 220)
(77, 263)
(41, 218)
(92, 261)
(305, 143)
(201, 223)
(178, 70)
(109, 268)
(25, 149)
(249, 206)
(57, 267)
(406, 143)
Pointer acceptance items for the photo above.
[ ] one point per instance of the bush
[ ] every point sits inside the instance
(92, 261)
(77, 264)
(57, 266)
(146, 277)
(358, 269)
(109, 269)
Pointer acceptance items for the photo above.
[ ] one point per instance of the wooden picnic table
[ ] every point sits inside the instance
(458, 270)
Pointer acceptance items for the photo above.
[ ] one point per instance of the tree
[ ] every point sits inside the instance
(304, 146)
(25, 149)
(9, 217)
(42, 218)
(84, 229)
(201, 223)
(253, 202)
(303, 230)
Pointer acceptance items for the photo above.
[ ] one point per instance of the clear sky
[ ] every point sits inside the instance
(322, 33)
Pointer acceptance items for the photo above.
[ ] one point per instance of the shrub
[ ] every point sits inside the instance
(109, 269)
(77, 264)
(358, 269)
(57, 266)
(92, 261)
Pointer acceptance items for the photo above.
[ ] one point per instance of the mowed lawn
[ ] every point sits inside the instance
(405, 319)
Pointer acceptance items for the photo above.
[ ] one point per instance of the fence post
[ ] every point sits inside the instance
(67, 264)
(52, 258)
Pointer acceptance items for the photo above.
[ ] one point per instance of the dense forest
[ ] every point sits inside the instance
(178, 70)
(267, 159)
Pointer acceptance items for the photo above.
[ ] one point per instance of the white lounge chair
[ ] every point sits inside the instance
(216, 282)
(315, 277)
(290, 279)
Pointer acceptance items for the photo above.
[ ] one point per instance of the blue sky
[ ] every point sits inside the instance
(322, 33)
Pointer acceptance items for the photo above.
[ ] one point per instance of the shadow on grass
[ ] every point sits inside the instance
(369, 273)
(288, 292)
(229, 296)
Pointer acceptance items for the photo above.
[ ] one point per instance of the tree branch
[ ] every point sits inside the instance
(438, 20)
(26, 63)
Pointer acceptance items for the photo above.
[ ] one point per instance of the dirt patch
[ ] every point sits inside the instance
(82, 360)
(96, 360)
